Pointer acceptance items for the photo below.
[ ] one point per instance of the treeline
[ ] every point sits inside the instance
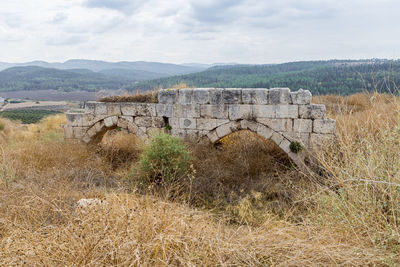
(321, 77)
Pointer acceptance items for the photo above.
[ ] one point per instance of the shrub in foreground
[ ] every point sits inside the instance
(164, 161)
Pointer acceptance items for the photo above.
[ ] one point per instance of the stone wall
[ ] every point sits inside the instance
(209, 114)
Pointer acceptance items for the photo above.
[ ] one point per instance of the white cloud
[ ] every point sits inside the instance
(246, 31)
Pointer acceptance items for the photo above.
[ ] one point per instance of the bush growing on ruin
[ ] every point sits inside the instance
(163, 162)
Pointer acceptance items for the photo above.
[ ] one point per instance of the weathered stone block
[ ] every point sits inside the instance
(187, 123)
(301, 97)
(215, 96)
(264, 131)
(313, 111)
(240, 112)
(302, 125)
(263, 111)
(184, 111)
(209, 124)
(249, 125)
(325, 126)
(181, 133)
(279, 96)
(224, 130)
(168, 96)
(279, 125)
(158, 122)
(286, 111)
(113, 109)
(153, 131)
(277, 138)
(302, 138)
(185, 96)
(285, 145)
(255, 96)
(144, 121)
(100, 109)
(201, 96)
(111, 121)
(79, 132)
(74, 119)
(174, 123)
(164, 110)
(68, 132)
(214, 111)
(318, 139)
(90, 106)
(232, 96)
(213, 136)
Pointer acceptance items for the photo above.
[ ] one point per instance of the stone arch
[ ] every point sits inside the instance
(96, 132)
(262, 130)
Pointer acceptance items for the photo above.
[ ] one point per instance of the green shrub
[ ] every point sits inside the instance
(27, 116)
(295, 147)
(164, 161)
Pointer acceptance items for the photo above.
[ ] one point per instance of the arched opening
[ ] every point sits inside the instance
(243, 165)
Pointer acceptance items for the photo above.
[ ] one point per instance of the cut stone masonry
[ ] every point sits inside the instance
(209, 114)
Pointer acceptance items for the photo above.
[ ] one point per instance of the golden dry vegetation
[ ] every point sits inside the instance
(247, 205)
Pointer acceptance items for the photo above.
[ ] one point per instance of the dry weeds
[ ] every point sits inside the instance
(251, 208)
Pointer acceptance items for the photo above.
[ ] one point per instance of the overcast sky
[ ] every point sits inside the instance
(203, 31)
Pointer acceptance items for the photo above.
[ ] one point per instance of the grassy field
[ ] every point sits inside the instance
(242, 202)
(27, 116)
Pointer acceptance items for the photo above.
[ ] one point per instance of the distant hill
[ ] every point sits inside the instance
(321, 77)
(38, 78)
(162, 69)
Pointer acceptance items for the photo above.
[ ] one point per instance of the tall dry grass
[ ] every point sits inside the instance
(251, 207)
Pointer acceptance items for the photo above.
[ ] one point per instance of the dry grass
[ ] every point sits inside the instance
(145, 97)
(249, 206)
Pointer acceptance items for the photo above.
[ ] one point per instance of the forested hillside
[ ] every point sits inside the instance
(321, 77)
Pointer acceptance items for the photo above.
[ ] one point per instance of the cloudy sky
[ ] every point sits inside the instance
(203, 31)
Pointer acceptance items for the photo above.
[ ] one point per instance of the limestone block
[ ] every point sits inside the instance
(113, 109)
(158, 122)
(68, 132)
(248, 125)
(168, 96)
(213, 136)
(279, 96)
(240, 112)
(123, 121)
(285, 145)
(279, 125)
(325, 126)
(263, 111)
(100, 109)
(301, 97)
(144, 121)
(79, 132)
(215, 96)
(192, 135)
(164, 110)
(99, 126)
(287, 111)
(90, 107)
(92, 131)
(201, 96)
(255, 96)
(185, 96)
(181, 133)
(264, 131)
(214, 111)
(224, 130)
(111, 121)
(277, 138)
(184, 111)
(133, 128)
(313, 111)
(302, 125)
(74, 119)
(209, 124)
(232, 96)
(90, 119)
(174, 123)
(317, 139)
(187, 123)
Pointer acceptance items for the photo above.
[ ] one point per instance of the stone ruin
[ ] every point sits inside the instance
(209, 114)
